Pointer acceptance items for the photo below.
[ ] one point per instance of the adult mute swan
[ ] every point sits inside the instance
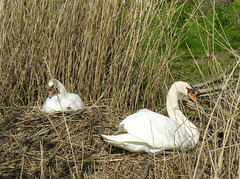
(61, 100)
(147, 131)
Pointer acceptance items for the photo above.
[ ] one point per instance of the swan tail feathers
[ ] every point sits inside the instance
(127, 142)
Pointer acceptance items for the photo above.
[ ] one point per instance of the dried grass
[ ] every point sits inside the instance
(98, 49)
(108, 53)
(34, 144)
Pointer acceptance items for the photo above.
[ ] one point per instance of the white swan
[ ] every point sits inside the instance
(147, 131)
(61, 100)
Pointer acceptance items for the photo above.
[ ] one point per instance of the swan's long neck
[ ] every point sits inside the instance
(61, 89)
(176, 114)
(172, 106)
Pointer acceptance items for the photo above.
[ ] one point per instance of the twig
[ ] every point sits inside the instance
(145, 171)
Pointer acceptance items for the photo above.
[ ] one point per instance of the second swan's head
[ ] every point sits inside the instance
(55, 86)
(185, 89)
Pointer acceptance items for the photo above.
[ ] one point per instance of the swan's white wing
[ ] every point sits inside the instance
(51, 104)
(72, 102)
(154, 129)
(145, 131)
(69, 102)
(149, 132)
(128, 142)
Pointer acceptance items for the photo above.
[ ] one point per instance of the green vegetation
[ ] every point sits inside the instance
(225, 25)
(206, 38)
(201, 33)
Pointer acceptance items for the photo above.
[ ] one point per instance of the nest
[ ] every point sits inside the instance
(68, 145)
(63, 145)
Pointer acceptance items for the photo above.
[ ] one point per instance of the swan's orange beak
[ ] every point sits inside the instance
(191, 96)
(50, 93)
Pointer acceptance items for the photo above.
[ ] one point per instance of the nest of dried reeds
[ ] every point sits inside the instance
(34, 144)
(68, 145)
(63, 145)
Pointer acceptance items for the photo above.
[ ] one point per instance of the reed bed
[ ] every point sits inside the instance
(116, 56)
(34, 144)
(114, 50)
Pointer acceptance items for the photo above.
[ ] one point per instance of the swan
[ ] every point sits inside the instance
(148, 131)
(61, 100)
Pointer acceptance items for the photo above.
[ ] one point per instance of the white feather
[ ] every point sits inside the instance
(63, 101)
(148, 131)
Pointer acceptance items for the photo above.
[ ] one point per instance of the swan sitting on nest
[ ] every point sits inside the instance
(148, 131)
(61, 100)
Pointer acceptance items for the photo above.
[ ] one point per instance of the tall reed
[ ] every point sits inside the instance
(112, 50)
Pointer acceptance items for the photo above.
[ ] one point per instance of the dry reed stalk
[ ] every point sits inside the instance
(109, 53)
(99, 49)
(48, 149)
(223, 119)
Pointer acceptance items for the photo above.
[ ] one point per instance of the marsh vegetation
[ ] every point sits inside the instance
(119, 56)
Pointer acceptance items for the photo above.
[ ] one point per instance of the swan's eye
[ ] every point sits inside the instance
(193, 88)
(190, 90)
(50, 88)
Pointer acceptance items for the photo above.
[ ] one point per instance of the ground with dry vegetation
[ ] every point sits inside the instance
(119, 57)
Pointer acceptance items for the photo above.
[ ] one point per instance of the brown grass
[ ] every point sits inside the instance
(34, 144)
(115, 55)
(98, 49)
